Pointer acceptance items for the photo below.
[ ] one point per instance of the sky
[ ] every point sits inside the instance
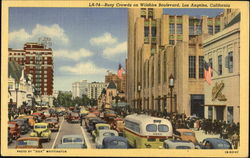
(86, 42)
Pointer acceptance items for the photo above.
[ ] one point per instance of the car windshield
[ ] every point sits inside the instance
(117, 143)
(151, 127)
(108, 134)
(40, 126)
(183, 147)
(163, 128)
(103, 127)
(28, 142)
(188, 134)
(11, 125)
(72, 140)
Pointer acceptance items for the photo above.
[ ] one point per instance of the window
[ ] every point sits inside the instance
(217, 29)
(151, 128)
(201, 66)
(230, 113)
(143, 12)
(152, 77)
(164, 67)
(171, 42)
(179, 28)
(171, 29)
(210, 29)
(153, 31)
(220, 65)
(150, 13)
(191, 29)
(198, 29)
(230, 62)
(192, 66)
(211, 65)
(163, 128)
(210, 112)
(146, 31)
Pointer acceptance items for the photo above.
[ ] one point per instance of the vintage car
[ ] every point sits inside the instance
(23, 124)
(102, 135)
(31, 119)
(39, 115)
(115, 142)
(215, 143)
(53, 123)
(109, 113)
(98, 128)
(73, 117)
(72, 141)
(29, 142)
(46, 113)
(89, 117)
(186, 135)
(14, 129)
(118, 125)
(84, 112)
(178, 144)
(42, 131)
(10, 137)
(91, 125)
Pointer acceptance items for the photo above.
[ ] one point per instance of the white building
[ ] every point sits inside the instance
(95, 89)
(79, 88)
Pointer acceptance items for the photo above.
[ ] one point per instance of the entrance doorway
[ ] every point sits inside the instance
(197, 105)
(220, 112)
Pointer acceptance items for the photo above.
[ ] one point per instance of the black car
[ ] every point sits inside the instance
(92, 123)
(216, 143)
(24, 125)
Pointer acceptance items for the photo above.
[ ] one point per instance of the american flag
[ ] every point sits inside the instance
(120, 71)
(208, 73)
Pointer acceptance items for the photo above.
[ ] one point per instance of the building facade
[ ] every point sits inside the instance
(121, 83)
(79, 88)
(37, 60)
(95, 89)
(161, 45)
(222, 51)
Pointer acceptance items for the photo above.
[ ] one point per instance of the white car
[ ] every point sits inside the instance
(102, 135)
(72, 141)
(178, 144)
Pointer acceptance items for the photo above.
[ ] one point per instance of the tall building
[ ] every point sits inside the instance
(161, 45)
(121, 83)
(79, 88)
(222, 51)
(95, 89)
(37, 60)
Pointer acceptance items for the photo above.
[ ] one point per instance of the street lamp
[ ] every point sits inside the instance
(139, 91)
(171, 86)
(17, 88)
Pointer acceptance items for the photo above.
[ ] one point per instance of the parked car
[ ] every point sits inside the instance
(42, 131)
(115, 142)
(215, 143)
(178, 144)
(118, 125)
(91, 125)
(73, 117)
(72, 141)
(53, 123)
(98, 128)
(186, 135)
(89, 117)
(14, 129)
(31, 119)
(23, 124)
(102, 135)
(29, 142)
(10, 137)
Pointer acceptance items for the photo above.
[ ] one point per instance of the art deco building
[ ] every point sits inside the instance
(161, 45)
(79, 88)
(222, 51)
(37, 60)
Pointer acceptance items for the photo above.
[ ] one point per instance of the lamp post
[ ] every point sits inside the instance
(17, 88)
(139, 100)
(171, 86)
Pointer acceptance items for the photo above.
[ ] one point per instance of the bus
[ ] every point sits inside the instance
(143, 131)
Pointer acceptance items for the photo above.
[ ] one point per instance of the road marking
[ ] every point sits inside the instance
(57, 134)
(86, 140)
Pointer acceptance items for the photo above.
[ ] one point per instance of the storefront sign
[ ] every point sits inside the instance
(216, 92)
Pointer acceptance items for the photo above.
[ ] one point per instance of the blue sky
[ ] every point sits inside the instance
(86, 41)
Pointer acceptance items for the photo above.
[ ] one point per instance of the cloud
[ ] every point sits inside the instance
(55, 32)
(106, 38)
(87, 68)
(120, 48)
(74, 55)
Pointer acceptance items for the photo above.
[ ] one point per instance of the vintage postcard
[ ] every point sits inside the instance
(125, 78)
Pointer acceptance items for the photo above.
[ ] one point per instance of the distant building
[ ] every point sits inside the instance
(121, 83)
(79, 88)
(37, 60)
(95, 89)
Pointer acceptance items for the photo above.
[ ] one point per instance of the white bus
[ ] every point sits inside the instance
(143, 131)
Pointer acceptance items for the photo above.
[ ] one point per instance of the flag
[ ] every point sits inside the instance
(120, 71)
(208, 72)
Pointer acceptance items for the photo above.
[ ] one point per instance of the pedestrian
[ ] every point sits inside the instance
(235, 140)
(81, 117)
